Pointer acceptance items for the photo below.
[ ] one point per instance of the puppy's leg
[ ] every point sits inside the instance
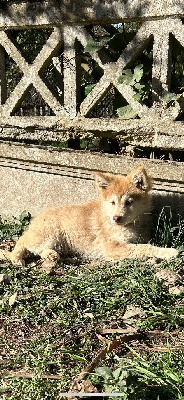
(49, 255)
(115, 251)
(18, 255)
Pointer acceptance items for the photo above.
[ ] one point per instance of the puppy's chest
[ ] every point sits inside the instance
(124, 234)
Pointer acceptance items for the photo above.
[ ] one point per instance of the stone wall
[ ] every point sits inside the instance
(33, 177)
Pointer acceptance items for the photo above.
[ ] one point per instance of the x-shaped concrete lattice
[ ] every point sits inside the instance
(160, 30)
(31, 73)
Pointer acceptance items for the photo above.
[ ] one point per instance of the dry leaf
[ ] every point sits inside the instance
(169, 277)
(4, 278)
(133, 312)
(12, 299)
(90, 315)
(176, 289)
(84, 386)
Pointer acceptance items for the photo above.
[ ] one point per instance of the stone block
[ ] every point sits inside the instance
(33, 178)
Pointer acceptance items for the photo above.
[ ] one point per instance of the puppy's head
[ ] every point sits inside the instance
(124, 197)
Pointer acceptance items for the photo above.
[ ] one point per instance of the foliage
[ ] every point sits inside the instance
(13, 228)
(94, 45)
(31, 41)
(89, 88)
(133, 79)
(168, 232)
(139, 75)
(126, 112)
(158, 377)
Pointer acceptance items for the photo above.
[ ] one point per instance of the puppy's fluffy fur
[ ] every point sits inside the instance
(104, 229)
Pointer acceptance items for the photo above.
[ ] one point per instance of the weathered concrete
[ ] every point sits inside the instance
(33, 178)
(168, 20)
(31, 73)
(85, 12)
(160, 30)
(157, 133)
(166, 174)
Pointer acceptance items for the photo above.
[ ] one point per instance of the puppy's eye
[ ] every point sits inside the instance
(113, 203)
(128, 202)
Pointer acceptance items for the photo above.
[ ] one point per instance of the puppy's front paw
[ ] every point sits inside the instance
(17, 262)
(168, 253)
(50, 255)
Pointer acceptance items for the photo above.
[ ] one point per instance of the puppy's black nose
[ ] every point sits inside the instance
(116, 218)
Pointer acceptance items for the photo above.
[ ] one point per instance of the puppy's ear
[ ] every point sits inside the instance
(140, 179)
(103, 180)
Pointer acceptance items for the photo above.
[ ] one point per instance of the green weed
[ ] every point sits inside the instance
(14, 228)
(157, 377)
(168, 233)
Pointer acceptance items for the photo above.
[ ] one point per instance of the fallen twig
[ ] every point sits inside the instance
(120, 331)
(163, 349)
(102, 339)
(102, 354)
(6, 374)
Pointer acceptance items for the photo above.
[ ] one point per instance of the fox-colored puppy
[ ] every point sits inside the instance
(105, 229)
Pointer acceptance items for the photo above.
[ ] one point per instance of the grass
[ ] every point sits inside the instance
(156, 378)
(51, 326)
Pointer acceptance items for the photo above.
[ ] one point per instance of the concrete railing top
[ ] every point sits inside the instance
(51, 13)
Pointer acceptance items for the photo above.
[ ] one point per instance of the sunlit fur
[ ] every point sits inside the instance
(103, 229)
